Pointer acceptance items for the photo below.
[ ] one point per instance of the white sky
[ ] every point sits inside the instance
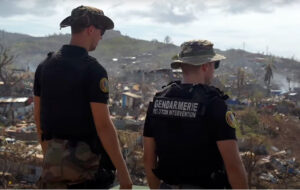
(258, 24)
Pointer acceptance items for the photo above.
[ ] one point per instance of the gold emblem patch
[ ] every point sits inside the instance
(104, 85)
(230, 119)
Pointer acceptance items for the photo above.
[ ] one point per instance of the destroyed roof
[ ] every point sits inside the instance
(292, 93)
(130, 94)
(160, 70)
(177, 70)
(13, 100)
(148, 69)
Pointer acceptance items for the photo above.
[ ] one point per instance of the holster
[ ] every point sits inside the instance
(219, 180)
(97, 148)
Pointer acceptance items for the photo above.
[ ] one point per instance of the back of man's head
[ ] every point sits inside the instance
(196, 53)
(85, 16)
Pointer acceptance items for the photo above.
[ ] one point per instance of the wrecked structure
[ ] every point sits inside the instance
(277, 170)
(15, 108)
(23, 161)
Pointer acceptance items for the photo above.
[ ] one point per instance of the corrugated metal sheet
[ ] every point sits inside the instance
(13, 100)
(132, 95)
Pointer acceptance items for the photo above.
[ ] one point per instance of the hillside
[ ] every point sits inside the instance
(136, 54)
(31, 50)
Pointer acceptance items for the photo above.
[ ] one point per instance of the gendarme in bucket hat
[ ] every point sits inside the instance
(196, 52)
(86, 16)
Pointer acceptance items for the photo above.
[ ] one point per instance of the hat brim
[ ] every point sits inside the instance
(106, 22)
(196, 60)
(66, 22)
(103, 21)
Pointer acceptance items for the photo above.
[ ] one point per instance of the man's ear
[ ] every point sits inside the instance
(90, 29)
(204, 67)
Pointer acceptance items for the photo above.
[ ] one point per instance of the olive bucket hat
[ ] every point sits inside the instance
(86, 16)
(196, 52)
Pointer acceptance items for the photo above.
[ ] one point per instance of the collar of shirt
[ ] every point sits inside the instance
(73, 51)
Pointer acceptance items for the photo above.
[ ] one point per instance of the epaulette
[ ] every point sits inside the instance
(177, 82)
(50, 54)
(208, 94)
(166, 88)
(219, 92)
(90, 59)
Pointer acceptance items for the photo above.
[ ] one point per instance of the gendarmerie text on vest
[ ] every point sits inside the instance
(177, 108)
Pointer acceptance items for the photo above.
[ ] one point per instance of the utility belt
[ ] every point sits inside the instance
(216, 180)
(164, 185)
(94, 143)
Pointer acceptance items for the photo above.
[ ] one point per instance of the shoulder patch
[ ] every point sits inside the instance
(230, 119)
(104, 85)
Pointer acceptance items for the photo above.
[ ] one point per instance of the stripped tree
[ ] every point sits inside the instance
(269, 73)
(8, 76)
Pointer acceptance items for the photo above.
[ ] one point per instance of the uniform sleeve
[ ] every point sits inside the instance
(37, 83)
(148, 130)
(221, 121)
(98, 90)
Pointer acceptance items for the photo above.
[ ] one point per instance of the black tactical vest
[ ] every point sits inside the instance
(187, 153)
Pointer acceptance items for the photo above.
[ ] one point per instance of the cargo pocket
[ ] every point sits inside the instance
(79, 163)
(53, 160)
(68, 162)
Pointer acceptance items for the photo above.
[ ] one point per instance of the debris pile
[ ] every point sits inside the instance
(277, 170)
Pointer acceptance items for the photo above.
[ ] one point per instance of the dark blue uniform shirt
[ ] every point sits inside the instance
(67, 82)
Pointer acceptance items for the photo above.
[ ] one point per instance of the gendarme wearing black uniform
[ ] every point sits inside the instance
(186, 121)
(67, 82)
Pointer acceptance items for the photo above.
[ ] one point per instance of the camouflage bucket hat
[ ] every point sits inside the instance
(86, 16)
(196, 52)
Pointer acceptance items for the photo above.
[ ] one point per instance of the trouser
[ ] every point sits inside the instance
(90, 184)
(103, 180)
(164, 185)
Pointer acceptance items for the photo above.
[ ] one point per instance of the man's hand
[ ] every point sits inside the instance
(125, 181)
(150, 161)
(108, 136)
(234, 166)
(37, 116)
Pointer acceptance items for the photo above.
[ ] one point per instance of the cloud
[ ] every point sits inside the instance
(187, 11)
(161, 11)
(10, 8)
(116, 4)
(172, 12)
(261, 6)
